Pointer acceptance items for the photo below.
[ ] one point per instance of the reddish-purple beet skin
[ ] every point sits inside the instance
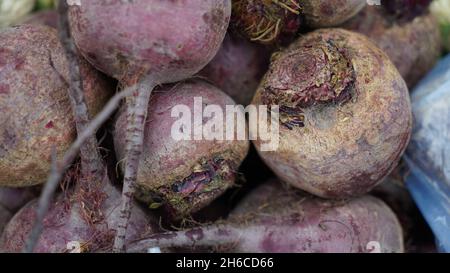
(170, 40)
(238, 68)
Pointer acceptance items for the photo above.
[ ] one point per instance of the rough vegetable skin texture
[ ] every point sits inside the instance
(185, 175)
(344, 110)
(273, 219)
(273, 21)
(67, 221)
(266, 21)
(238, 68)
(36, 113)
(414, 45)
(163, 42)
(152, 41)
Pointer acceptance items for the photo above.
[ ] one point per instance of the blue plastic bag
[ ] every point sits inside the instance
(428, 155)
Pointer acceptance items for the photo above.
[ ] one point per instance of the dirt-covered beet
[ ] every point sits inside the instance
(279, 20)
(69, 222)
(345, 114)
(35, 109)
(171, 40)
(43, 17)
(238, 68)
(182, 175)
(393, 191)
(413, 42)
(273, 219)
(328, 13)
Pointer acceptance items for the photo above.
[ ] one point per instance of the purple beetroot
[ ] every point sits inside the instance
(162, 42)
(406, 32)
(274, 219)
(182, 175)
(238, 68)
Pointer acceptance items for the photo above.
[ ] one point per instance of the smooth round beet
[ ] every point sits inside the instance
(412, 43)
(35, 108)
(345, 114)
(170, 40)
(182, 175)
(69, 224)
(43, 17)
(238, 68)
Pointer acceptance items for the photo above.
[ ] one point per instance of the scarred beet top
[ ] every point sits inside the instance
(71, 223)
(345, 113)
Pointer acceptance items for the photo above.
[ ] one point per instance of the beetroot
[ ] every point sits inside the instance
(238, 68)
(13, 199)
(277, 20)
(182, 175)
(345, 114)
(163, 42)
(412, 42)
(35, 108)
(172, 40)
(273, 219)
(90, 220)
(43, 17)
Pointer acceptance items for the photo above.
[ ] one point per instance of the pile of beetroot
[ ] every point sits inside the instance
(87, 92)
